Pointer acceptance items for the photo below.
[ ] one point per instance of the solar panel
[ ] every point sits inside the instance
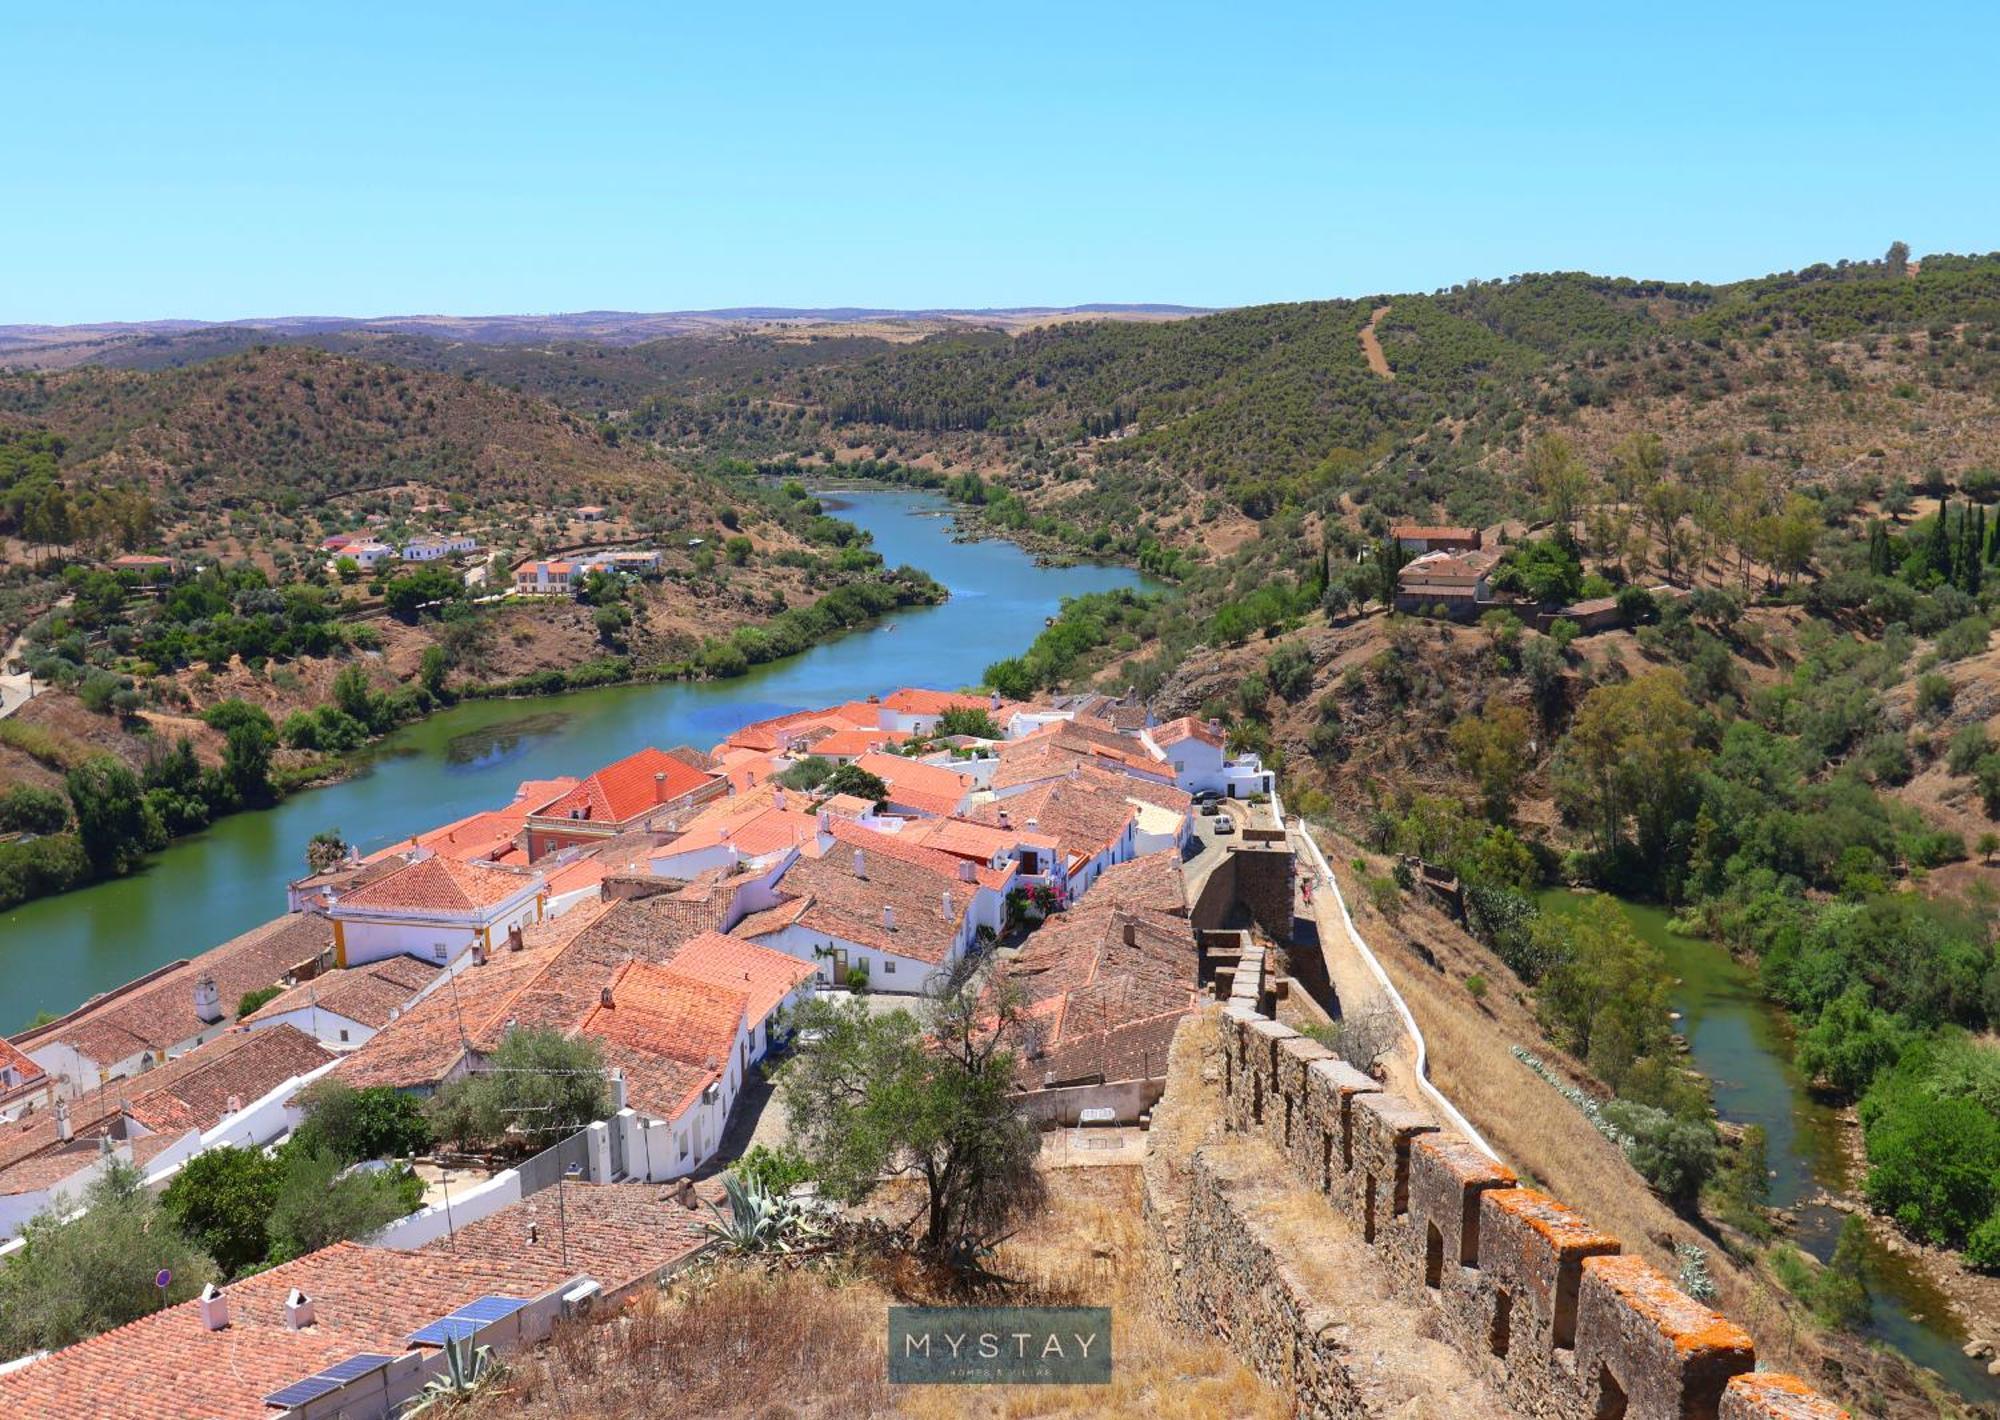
(449, 1328)
(327, 1381)
(491, 1308)
(464, 1321)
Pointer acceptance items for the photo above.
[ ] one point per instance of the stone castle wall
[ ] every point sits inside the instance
(1546, 1307)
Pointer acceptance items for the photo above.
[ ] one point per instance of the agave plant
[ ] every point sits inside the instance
(758, 1220)
(467, 1369)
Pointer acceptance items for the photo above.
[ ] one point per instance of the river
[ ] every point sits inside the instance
(1742, 1043)
(208, 887)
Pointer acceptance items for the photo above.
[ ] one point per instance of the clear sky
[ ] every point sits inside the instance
(221, 161)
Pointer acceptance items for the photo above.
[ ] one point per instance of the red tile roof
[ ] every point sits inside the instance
(1430, 531)
(671, 1032)
(157, 1011)
(1185, 728)
(442, 885)
(365, 1300)
(911, 701)
(920, 855)
(621, 792)
(842, 744)
(363, 994)
(926, 787)
(765, 977)
(841, 904)
(1080, 814)
(1105, 987)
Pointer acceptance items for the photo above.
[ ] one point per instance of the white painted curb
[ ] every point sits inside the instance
(1449, 1109)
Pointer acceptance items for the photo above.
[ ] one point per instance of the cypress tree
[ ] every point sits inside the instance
(1939, 544)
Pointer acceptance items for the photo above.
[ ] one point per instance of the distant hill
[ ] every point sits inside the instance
(58, 346)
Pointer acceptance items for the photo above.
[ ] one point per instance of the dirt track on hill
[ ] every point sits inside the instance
(1372, 348)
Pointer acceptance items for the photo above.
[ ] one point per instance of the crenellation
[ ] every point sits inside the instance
(1542, 1304)
(1771, 1395)
(1644, 1345)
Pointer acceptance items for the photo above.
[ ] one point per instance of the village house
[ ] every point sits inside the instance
(437, 546)
(867, 908)
(1456, 585)
(1091, 824)
(233, 1090)
(650, 786)
(1424, 537)
(257, 1346)
(544, 578)
(927, 790)
(342, 1010)
(590, 513)
(916, 712)
(1103, 987)
(24, 1085)
(989, 879)
(1201, 762)
(146, 564)
(434, 908)
(367, 553)
(174, 1008)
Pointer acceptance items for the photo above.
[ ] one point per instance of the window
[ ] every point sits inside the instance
(343, 1033)
(437, 950)
(888, 966)
(681, 1143)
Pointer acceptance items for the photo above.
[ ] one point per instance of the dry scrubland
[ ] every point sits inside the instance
(806, 1342)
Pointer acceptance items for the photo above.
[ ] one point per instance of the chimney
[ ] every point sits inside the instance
(534, 1234)
(778, 797)
(966, 872)
(944, 905)
(214, 1307)
(888, 918)
(1131, 933)
(659, 786)
(479, 953)
(617, 1089)
(1034, 825)
(233, 1105)
(826, 820)
(1215, 727)
(1006, 819)
(207, 1000)
(994, 703)
(298, 1310)
(515, 941)
(604, 997)
(63, 1130)
(860, 864)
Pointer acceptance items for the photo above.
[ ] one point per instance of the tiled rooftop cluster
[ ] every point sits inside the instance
(1565, 1322)
(222, 1361)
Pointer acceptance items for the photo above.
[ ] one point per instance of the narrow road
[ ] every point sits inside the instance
(17, 690)
(1372, 348)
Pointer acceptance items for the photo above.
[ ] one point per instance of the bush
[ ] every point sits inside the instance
(1982, 1248)
(251, 1001)
(376, 1122)
(27, 809)
(1675, 1156)
(1934, 695)
(221, 1200)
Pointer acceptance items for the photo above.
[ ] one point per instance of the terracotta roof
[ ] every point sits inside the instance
(767, 830)
(849, 743)
(847, 805)
(1428, 531)
(11, 1058)
(573, 877)
(1105, 987)
(190, 1091)
(677, 1032)
(913, 701)
(765, 977)
(922, 786)
(623, 791)
(441, 885)
(1185, 728)
(1078, 814)
(364, 1299)
(841, 904)
(1151, 882)
(961, 838)
(921, 855)
(363, 994)
(157, 1012)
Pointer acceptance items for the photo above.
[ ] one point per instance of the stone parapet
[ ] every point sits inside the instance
(1546, 1307)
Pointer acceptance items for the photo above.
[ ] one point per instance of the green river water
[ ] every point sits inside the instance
(204, 889)
(1742, 1043)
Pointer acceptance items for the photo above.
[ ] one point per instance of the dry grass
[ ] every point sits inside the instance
(810, 1344)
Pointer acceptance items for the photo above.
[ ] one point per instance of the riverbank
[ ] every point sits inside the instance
(1742, 1044)
(59, 734)
(223, 881)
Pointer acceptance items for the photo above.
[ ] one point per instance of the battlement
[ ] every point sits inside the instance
(1548, 1308)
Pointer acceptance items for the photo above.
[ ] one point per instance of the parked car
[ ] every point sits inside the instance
(1225, 824)
(1210, 809)
(1208, 796)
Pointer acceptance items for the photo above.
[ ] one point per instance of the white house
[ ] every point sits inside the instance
(367, 554)
(434, 909)
(342, 1010)
(1201, 763)
(430, 549)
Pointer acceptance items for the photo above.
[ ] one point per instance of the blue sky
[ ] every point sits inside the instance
(227, 161)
